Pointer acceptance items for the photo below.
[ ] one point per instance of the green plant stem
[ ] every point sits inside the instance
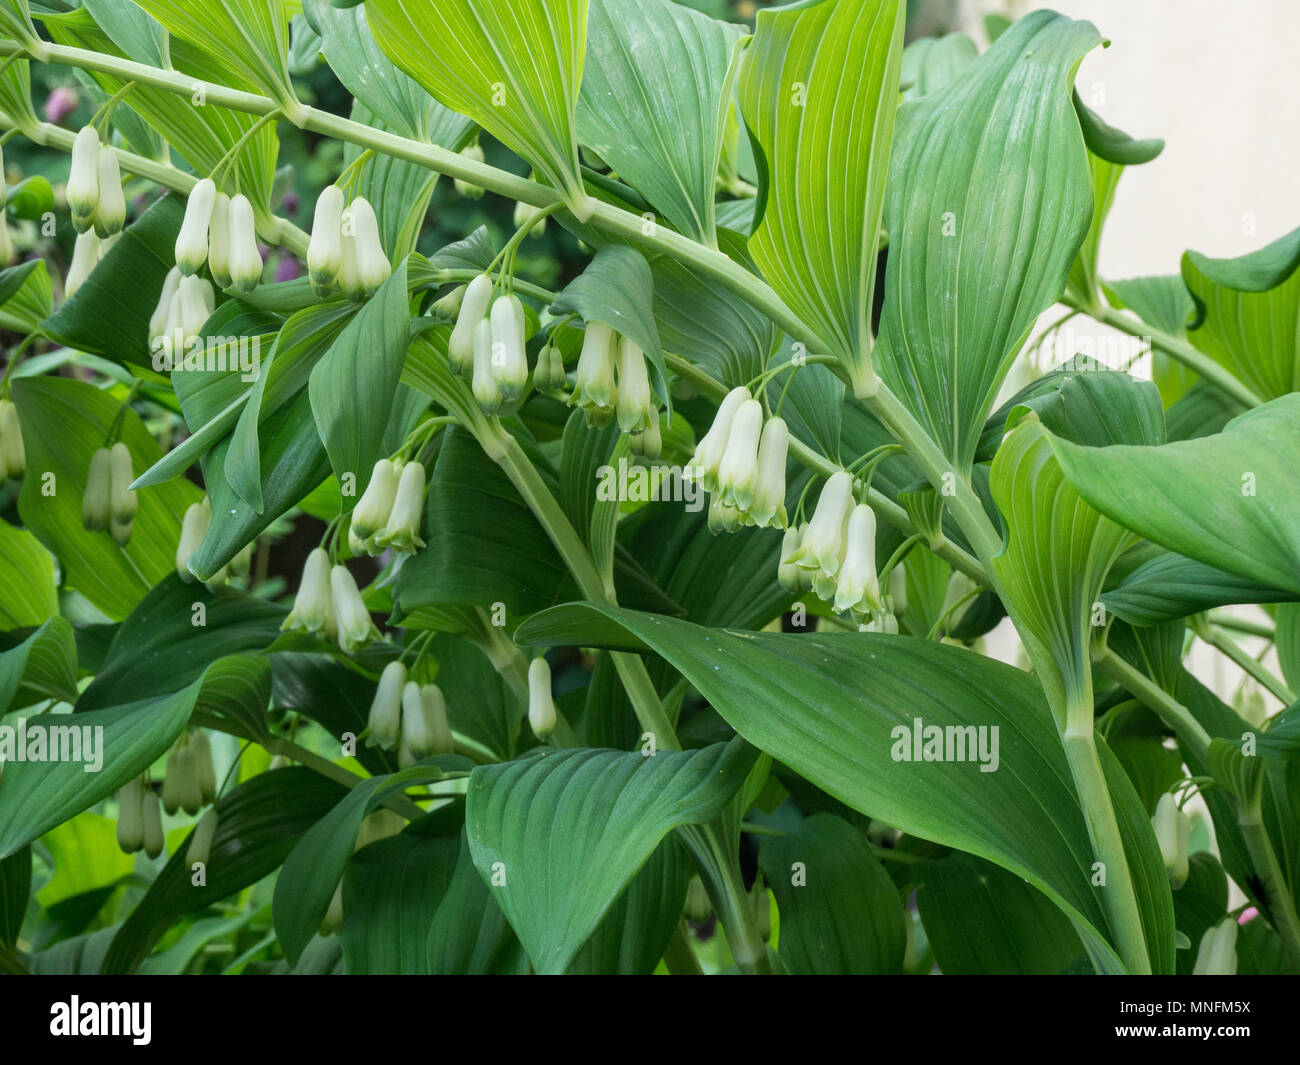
(1225, 644)
(721, 876)
(1176, 349)
(1228, 621)
(1174, 714)
(1118, 898)
(1273, 885)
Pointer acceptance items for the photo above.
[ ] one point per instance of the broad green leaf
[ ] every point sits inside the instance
(314, 866)
(982, 921)
(162, 647)
(930, 63)
(513, 66)
(353, 386)
(557, 835)
(1247, 310)
(86, 857)
(637, 927)
(15, 889)
(840, 912)
(27, 575)
(258, 824)
(830, 707)
(1166, 586)
(1228, 500)
(1165, 303)
(43, 666)
(818, 88)
(617, 290)
(109, 315)
(479, 703)
(469, 935)
(28, 303)
(36, 796)
(989, 199)
(251, 37)
(64, 422)
(391, 893)
(655, 96)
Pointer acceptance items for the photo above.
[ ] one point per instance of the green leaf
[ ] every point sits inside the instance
(1288, 643)
(15, 889)
(1167, 586)
(479, 703)
(258, 824)
(391, 893)
(982, 921)
(160, 648)
(558, 835)
(1228, 500)
(617, 290)
(1165, 303)
(1247, 310)
(40, 795)
(930, 63)
(30, 198)
(513, 66)
(829, 707)
(654, 102)
(27, 574)
(353, 386)
(27, 305)
(469, 935)
(840, 912)
(44, 665)
(86, 857)
(818, 88)
(64, 422)
(989, 199)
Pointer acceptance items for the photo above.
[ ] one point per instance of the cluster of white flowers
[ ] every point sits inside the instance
(108, 501)
(329, 604)
(602, 396)
(834, 556)
(189, 784)
(389, 511)
(94, 187)
(487, 345)
(408, 716)
(741, 461)
(139, 818)
(184, 306)
(13, 456)
(87, 251)
(220, 230)
(345, 249)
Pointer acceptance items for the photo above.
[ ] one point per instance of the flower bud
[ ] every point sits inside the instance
(402, 530)
(162, 312)
(13, 456)
(1172, 829)
(509, 360)
(446, 308)
(188, 792)
(313, 609)
(545, 378)
(1217, 955)
(524, 215)
(541, 705)
(245, 260)
(473, 309)
(130, 816)
(417, 729)
(325, 250)
(83, 178)
(386, 708)
(171, 787)
(649, 443)
(435, 714)
(122, 500)
(709, 451)
(768, 506)
(194, 527)
(594, 389)
(636, 406)
(219, 241)
(355, 629)
(192, 241)
(857, 586)
(738, 470)
(207, 770)
(376, 502)
(474, 153)
(110, 213)
(151, 815)
(200, 848)
(373, 268)
(85, 257)
(487, 390)
(788, 573)
(97, 499)
(824, 542)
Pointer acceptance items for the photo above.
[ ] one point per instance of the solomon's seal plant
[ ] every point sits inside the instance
(303, 413)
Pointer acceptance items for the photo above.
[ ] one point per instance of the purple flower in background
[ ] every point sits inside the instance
(287, 269)
(291, 202)
(60, 104)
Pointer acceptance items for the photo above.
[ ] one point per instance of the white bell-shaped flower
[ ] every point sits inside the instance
(373, 268)
(635, 402)
(96, 500)
(219, 241)
(738, 470)
(110, 211)
(355, 629)
(486, 387)
(313, 608)
(402, 530)
(594, 389)
(385, 721)
(246, 264)
(709, 451)
(192, 240)
(768, 505)
(85, 257)
(82, 190)
(542, 716)
(473, 309)
(824, 542)
(376, 502)
(509, 358)
(325, 249)
(857, 586)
